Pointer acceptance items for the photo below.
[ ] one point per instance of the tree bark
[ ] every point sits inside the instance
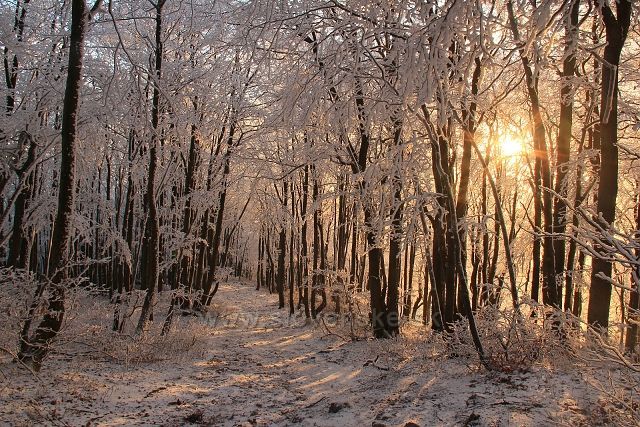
(616, 29)
(395, 243)
(291, 249)
(18, 255)
(34, 349)
(374, 252)
(304, 269)
(151, 242)
(282, 243)
(634, 294)
(11, 66)
(563, 147)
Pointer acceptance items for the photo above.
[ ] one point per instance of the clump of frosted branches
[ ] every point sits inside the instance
(511, 341)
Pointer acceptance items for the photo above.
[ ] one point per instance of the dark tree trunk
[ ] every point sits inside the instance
(563, 147)
(616, 29)
(456, 261)
(493, 293)
(374, 252)
(182, 276)
(304, 269)
(151, 242)
(342, 231)
(321, 279)
(634, 295)
(34, 349)
(315, 276)
(537, 227)
(11, 65)
(443, 313)
(438, 255)
(427, 292)
(395, 242)
(462, 204)
(475, 262)
(189, 187)
(353, 267)
(214, 248)
(550, 294)
(374, 282)
(18, 243)
(270, 265)
(484, 210)
(410, 260)
(260, 261)
(569, 302)
(282, 248)
(124, 268)
(291, 249)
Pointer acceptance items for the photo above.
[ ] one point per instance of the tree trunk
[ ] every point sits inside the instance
(549, 287)
(634, 297)
(18, 242)
(469, 128)
(189, 187)
(563, 147)
(395, 244)
(11, 66)
(374, 252)
(214, 248)
(151, 242)
(260, 260)
(304, 270)
(569, 302)
(616, 33)
(342, 231)
(315, 276)
(291, 248)
(34, 349)
(282, 247)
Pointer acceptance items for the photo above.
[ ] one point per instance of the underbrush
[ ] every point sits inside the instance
(87, 328)
(16, 292)
(614, 373)
(512, 340)
(517, 341)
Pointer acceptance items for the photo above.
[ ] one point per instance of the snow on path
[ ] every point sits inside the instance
(259, 367)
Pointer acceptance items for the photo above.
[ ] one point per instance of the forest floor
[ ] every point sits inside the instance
(249, 364)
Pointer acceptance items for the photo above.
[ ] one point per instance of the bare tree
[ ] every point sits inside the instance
(34, 348)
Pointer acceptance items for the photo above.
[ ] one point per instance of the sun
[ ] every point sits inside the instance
(511, 146)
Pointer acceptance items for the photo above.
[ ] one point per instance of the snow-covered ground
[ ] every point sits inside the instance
(254, 366)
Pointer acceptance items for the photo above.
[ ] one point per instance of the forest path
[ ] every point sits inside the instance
(258, 366)
(263, 367)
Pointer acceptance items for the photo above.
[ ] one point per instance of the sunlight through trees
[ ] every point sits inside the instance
(401, 163)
